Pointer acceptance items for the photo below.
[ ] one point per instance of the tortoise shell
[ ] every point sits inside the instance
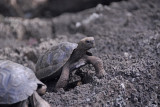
(17, 82)
(52, 60)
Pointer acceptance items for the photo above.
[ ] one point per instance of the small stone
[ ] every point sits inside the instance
(78, 24)
(122, 85)
(126, 54)
(88, 99)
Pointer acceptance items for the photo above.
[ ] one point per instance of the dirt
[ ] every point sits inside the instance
(127, 38)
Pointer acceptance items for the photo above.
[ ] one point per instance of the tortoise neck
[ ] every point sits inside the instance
(77, 54)
(81, 50)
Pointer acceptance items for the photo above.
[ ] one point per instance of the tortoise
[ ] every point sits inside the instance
(19, 86)
(65, 57)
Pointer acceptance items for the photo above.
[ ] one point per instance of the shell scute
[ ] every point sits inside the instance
(52, 60)
(17, 82)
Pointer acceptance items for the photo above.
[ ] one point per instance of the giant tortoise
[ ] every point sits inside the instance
(60, 60)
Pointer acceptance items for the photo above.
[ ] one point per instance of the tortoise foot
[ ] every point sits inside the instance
(98, 65)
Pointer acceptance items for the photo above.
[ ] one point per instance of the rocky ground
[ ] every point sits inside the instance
(127, 35)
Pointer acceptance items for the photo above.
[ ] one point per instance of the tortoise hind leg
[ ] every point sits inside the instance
(63, 80)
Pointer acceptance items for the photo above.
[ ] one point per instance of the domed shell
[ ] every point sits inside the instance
(17, 82)
(52, 60)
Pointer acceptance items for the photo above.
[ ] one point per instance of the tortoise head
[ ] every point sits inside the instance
(87, 43)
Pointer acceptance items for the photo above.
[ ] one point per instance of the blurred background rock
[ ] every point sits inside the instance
(46, 8)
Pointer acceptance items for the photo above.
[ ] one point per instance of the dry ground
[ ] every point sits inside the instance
(127, 38)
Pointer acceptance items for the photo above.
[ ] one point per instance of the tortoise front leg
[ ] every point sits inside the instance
(97, 63)
(37, 101)
(63, 80)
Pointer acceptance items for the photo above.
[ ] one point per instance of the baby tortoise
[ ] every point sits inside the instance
(66, 57)
(19, 86)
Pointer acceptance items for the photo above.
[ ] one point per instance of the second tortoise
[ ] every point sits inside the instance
(19, 86)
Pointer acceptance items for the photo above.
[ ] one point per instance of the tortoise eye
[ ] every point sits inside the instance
(87, 41)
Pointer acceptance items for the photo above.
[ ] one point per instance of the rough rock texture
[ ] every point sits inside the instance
(22, 8)
(127, 38)
(18, 29)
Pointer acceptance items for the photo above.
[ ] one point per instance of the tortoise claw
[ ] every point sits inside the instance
(101, 75)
